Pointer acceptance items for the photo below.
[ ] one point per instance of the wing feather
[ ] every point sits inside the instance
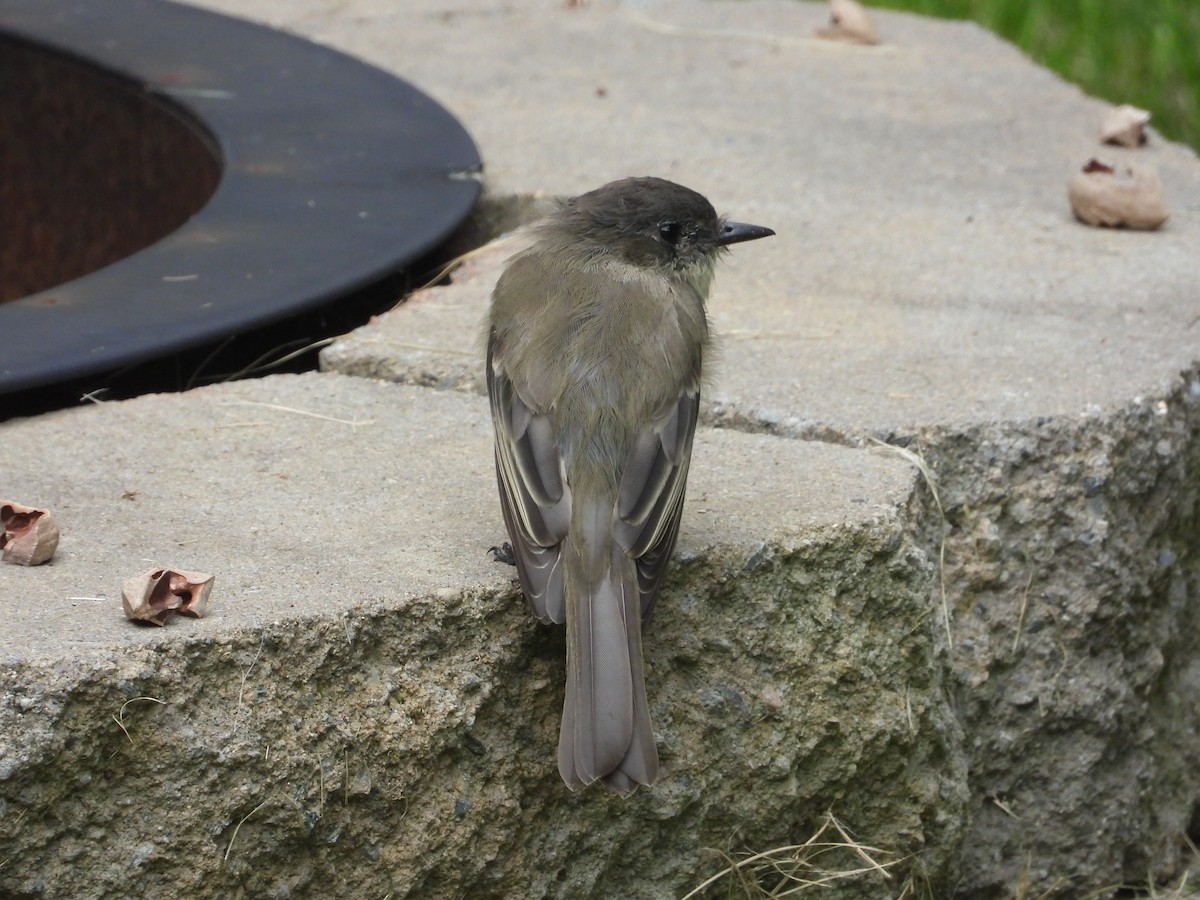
(534, 495)
(651, 493)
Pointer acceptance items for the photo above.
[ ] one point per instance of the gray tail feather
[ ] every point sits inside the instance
(606, 729)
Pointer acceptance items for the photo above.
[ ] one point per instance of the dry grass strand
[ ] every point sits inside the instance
(923, 467)
(119, 718)
(797, 867)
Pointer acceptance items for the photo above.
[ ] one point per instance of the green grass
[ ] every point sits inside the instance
(1144, 52)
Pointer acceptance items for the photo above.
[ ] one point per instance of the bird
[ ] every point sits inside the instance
(597, 335)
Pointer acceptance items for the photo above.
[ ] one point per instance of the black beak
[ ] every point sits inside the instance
(736, 232)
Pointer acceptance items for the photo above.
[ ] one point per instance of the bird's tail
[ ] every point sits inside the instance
(606, 729)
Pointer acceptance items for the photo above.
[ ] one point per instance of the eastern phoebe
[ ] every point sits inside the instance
(597, 334)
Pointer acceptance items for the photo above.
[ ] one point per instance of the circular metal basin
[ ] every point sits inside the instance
(287, 175)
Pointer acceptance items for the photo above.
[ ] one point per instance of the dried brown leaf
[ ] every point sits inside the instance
(1118, 196)
(1126, 126)
(153, 596)
(849, 22)
(29, 536)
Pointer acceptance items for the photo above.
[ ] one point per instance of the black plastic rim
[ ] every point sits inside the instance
(335, 174)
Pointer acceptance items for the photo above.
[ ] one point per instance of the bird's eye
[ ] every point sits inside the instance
(670, 232)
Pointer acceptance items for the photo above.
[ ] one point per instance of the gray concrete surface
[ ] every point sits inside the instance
(369, 708)
(322, 496)
(927, 286)
(928, 267)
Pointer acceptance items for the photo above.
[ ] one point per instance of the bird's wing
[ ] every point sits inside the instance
(650, 494)
(533, 491)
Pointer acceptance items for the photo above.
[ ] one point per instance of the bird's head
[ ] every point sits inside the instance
(654, 223)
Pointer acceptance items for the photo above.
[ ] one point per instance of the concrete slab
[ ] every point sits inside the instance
(317, 496)
(369, 709)
(927, 268)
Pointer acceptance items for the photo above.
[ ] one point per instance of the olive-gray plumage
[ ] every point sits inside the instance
(597, 337)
